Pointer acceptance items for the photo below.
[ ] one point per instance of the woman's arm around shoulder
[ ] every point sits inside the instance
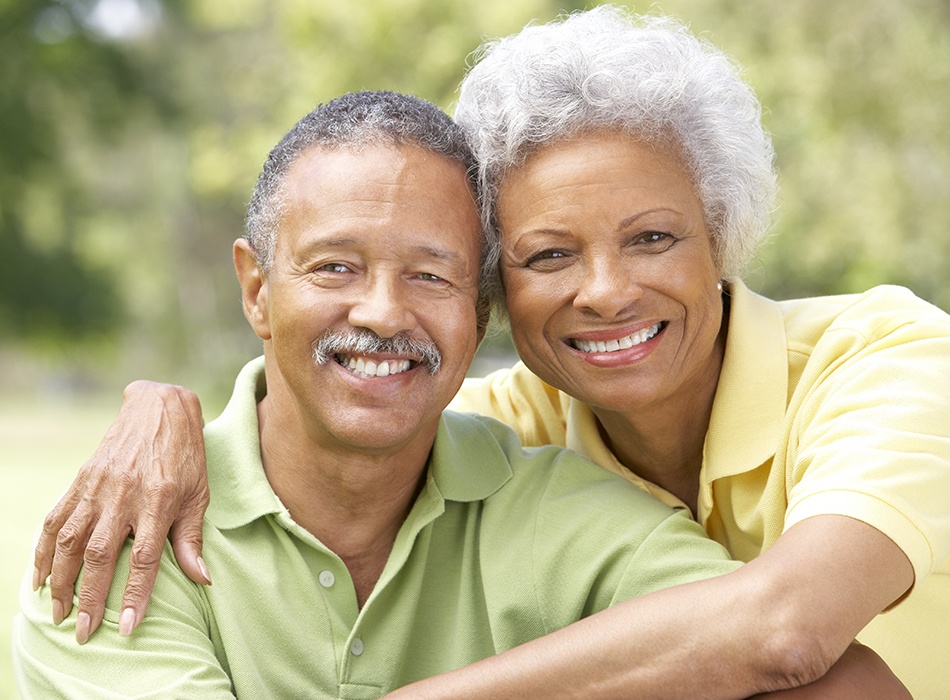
(781, 621)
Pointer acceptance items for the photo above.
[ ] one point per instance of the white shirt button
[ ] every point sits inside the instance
(326, 578)
(356, 646)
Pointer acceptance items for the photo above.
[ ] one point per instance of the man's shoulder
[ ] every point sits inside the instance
(240, 492)
(550, 476)
(579, 537)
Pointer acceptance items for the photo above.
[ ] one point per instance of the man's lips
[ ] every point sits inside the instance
(368, 368)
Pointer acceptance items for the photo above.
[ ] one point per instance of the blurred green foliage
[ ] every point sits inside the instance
(133, 132)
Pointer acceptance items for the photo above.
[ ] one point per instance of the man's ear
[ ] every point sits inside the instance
(253, 288)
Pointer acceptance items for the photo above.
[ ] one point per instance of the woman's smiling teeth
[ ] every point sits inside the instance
(624, 343)
(367, 368)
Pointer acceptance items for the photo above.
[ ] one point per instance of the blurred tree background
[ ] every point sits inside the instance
(133, 132)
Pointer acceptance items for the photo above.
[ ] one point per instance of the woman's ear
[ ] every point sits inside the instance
(253, 288)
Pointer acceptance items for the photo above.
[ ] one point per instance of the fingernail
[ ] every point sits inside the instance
(36, 579)
(204, 570)
(57, 611)
(127, 622)
(94, 625)
(82, 628)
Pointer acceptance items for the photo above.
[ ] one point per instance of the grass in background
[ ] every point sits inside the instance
(42, 445)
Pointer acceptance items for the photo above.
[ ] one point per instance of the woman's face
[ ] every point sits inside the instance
(610, 273)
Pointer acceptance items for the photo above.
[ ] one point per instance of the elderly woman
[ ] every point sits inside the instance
(628, 180)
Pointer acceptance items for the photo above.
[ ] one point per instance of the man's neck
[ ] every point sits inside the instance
(354, 502)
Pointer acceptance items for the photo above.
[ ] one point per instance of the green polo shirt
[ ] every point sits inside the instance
(502, 545)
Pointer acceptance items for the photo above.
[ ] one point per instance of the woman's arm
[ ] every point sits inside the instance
(146, 477)
(781, 621)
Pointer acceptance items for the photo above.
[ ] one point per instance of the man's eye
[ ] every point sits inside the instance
(333, 267)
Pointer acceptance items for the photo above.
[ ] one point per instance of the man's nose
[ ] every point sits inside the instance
(384, 307)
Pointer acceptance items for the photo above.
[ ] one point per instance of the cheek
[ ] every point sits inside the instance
(525, 296)
(527, 314)
(694, 276)
(703, 313)
(524, 301)
(458, 331)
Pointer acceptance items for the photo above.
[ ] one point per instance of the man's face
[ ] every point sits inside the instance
(384, 242)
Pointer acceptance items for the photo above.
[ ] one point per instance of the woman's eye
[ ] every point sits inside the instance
(655, 240)
(429, 277)
(653, 237)
(546, 258)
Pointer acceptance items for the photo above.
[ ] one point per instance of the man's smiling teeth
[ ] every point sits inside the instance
(620, 344)
(368, 368)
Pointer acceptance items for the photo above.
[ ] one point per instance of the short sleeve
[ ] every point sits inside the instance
(872, 436)
(171, 653)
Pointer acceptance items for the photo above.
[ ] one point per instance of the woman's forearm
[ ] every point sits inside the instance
(781, 621)
(655, 646)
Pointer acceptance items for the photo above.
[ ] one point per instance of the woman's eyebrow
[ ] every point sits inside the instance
(630, 220)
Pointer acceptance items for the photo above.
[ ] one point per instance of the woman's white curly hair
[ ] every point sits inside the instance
(646, 76)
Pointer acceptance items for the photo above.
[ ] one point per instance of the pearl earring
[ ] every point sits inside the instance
(719, 286)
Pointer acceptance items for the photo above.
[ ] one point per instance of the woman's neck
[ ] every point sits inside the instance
(663, 443)
(669, 457)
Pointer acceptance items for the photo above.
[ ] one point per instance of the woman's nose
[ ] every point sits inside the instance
(607, 288)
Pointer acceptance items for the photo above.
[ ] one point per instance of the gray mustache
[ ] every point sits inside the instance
(365, 342)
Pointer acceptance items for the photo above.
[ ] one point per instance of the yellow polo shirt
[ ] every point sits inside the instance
(834, 405)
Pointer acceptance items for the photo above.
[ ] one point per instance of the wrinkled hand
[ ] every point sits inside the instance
(146, 477)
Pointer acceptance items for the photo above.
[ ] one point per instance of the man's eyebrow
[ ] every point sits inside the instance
(429, 251)
(441, 254)
(334, 243)
(324, 243)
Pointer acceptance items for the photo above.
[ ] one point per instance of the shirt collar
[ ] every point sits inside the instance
(749, 408)
(466, 463)
(240, 492)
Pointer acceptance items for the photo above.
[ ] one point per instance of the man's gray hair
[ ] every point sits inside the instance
(645, 76)
(352, 121)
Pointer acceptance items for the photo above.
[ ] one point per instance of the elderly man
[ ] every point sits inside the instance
(360, 537)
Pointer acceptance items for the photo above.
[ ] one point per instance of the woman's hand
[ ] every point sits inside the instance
(860, 673)
(147, 477)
